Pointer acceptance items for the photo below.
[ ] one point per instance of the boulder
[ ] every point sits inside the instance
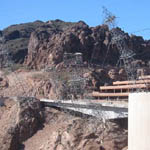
(20, 121)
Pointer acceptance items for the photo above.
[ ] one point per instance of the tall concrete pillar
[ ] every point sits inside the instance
(139, 121)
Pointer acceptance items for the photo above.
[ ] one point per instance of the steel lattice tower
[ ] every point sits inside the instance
(118, 38)
(126, 54)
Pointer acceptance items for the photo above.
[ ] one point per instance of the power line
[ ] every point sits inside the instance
(141, 30)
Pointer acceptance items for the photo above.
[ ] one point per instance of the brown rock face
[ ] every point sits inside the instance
(40, 43)
(97, 78)
(15, 39)
(3, 83)
(73, 133)
(20, 120)
(43, 86)
(47, 45)
(25, 125)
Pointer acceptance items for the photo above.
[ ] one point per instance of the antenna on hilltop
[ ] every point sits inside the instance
(109, 18)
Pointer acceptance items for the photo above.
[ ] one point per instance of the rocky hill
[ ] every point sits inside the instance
(25, 125)
(43, 43)
(15, 38)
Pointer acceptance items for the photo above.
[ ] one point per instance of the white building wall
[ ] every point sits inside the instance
(139, 121)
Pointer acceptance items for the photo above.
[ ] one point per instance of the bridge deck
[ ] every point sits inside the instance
(101, 109)
(121, 104)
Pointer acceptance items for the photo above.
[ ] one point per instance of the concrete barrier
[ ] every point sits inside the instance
(139, 121)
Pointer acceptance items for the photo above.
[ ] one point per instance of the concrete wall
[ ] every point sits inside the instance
(139, 121)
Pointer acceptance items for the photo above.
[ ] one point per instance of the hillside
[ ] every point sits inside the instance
(40, 43)
(25, 125)
(38, 71)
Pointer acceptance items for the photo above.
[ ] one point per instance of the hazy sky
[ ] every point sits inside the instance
(133, 15)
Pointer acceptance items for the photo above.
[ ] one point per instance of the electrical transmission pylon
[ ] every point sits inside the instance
(118, 38)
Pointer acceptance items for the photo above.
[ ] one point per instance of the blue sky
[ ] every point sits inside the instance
(133, 15)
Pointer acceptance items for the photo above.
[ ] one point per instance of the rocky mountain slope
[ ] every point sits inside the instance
(43, 43)
(19, 120)
(25, 125)
(47, 45)
(15, 38)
